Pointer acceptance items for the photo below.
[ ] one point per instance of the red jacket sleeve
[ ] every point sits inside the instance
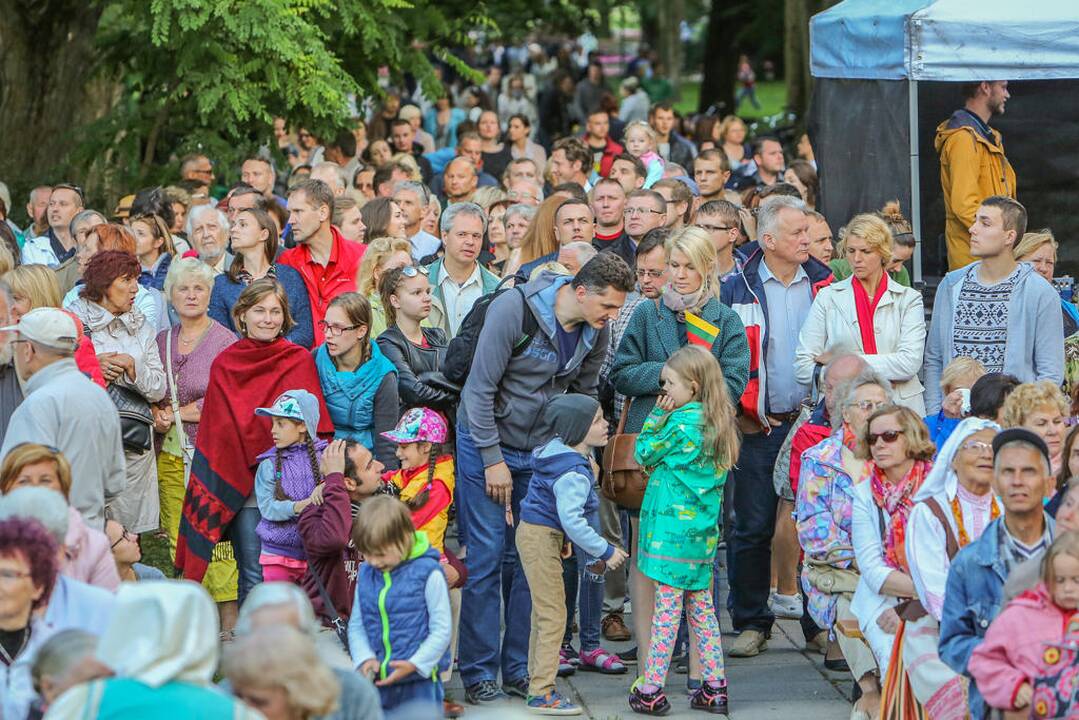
(325, 528)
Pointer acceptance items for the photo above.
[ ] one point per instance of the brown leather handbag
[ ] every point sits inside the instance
(623, 480)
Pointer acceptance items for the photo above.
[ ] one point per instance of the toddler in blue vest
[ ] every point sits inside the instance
(288, 479)
(399, 629)
(562, 506)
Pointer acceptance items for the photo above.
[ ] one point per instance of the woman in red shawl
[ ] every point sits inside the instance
(248, 375)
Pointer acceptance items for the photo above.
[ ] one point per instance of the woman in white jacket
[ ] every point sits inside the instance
(126, 347)
(881, 320)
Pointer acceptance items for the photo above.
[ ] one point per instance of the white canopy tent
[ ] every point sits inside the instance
(904, 42)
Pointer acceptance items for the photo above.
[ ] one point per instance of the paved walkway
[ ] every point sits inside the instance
(783, 682)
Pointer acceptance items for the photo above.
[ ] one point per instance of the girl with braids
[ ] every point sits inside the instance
(426, 477)
(287, 481)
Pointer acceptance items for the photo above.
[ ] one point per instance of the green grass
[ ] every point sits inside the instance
(155, 552)
(771, 95)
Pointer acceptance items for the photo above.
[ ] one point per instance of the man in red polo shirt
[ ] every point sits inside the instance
(326, 260)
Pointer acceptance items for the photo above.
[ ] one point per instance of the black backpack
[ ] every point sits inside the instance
(462, 348)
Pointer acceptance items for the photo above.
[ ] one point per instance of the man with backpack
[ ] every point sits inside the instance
(517, 366)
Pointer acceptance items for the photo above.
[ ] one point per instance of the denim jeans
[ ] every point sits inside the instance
(584, 598)
(749, 550)
(495, 575)
(247, 547)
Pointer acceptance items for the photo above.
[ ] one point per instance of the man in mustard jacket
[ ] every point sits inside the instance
(972, 164)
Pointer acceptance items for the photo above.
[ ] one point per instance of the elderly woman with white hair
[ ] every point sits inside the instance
(187, 351)
(208, 230)
(169, 663)
(276, 604)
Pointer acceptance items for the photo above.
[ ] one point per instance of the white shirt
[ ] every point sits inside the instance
(424, 244)
(457, 299)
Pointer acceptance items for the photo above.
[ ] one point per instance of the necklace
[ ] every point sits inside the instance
(195, 340)
(10, 660)
(957, 513)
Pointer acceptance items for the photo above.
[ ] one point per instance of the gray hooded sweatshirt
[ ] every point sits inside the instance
(1034, 348)
(504, 396)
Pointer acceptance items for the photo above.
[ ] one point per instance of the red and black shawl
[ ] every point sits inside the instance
(247, 375)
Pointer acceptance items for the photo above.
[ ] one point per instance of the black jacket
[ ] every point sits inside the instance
(412, 363)
(681, 152)
(622, 246)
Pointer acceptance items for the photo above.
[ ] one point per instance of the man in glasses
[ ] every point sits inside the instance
(1021, 479)
(645, 210)
(57, 245)
(719, 218)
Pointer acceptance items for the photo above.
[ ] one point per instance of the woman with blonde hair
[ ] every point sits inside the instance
(1040, 250)
(656, 330)
(539, 240)
(382, 255)
(1043, 409)
(867, 314)
(277, 671)
(902, 246)
(33, 286)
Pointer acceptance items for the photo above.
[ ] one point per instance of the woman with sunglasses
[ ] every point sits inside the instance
(897, 451)
(416, 351)
(951, 509)
(358, 381)
(823, 511)
(253, 237)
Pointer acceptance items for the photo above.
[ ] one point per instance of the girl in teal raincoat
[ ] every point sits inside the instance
(686, 446)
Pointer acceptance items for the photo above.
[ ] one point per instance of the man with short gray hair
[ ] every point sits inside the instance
(413, 198)
(457, 278)
(66, 410)
(333, 175)
(772, 295)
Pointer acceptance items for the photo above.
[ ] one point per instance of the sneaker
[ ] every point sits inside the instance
(654, 703)
(485, 691)
(818, 643)
(628, 656)
(710, 698)
(787, 606)
(749, 643)
(551, 704)
(518, 687)
(566, 658)
(614, 628)
(570, 653)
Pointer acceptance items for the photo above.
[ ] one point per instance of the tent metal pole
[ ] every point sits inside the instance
(915, 177)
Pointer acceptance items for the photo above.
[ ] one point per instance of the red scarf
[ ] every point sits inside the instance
(897, 500)
(866, 310)
(247, 375)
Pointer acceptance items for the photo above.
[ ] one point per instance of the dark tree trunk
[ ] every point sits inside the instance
(48, 88)
(721, 49)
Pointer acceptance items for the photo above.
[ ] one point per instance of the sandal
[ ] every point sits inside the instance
(655, 703)
(601, 661)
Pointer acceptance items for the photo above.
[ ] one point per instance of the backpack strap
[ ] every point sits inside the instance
(529, 325)
(951, 545)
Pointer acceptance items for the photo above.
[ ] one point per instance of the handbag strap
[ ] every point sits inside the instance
(172, 390)
(328, 608)
(625, 413)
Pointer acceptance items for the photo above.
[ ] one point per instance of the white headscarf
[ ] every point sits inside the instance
(942, 478)
(162, 631)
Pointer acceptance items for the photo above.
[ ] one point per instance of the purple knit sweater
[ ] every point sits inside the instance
(283, 537)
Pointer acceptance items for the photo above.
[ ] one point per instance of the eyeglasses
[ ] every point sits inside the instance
(335, 330)
(714, 228)
(125, 535)
(641, 211)
(888, 436)
(866, 405)
(10, 576)
(411, 271)
(977, 446)
(654, 274)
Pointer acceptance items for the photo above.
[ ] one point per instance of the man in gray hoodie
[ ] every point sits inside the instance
(995, 310)
(499, 423)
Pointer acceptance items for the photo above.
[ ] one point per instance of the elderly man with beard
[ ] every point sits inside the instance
(64, 409)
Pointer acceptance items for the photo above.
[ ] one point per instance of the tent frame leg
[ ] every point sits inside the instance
(915, 177)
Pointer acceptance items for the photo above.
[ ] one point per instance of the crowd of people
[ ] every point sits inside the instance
(452, 390)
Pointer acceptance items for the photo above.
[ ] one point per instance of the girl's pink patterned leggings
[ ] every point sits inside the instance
(702, 624)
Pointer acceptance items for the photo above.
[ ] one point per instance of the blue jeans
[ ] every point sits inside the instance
(749, 549)
(495, 575)
(584, 597)
(247, 547)
(412, 699)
